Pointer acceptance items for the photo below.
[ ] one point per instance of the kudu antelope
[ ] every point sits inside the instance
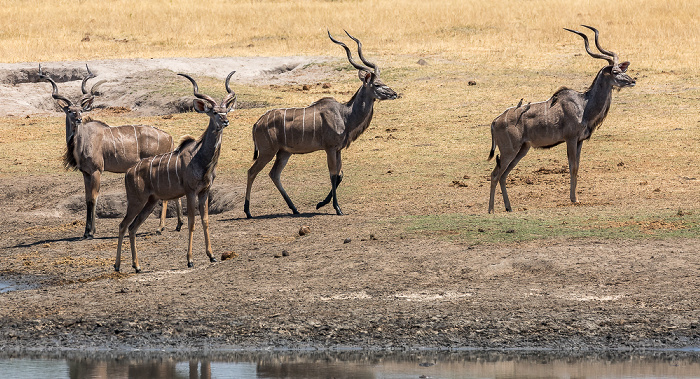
(189, 170)
(324, 125)
(93, 147)
(568, 116)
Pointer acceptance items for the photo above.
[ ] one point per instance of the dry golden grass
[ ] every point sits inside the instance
(512, 33)
(643, 160)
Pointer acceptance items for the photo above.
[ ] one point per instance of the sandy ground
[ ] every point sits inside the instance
(355, 281)
(380, 289)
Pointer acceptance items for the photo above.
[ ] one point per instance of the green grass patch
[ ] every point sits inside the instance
(494, 229)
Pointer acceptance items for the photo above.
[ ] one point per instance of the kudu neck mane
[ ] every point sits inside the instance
(360, 109)
(598, 98)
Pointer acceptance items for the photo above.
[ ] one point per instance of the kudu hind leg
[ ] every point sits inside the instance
(92, 190)
(132, 211)
(275, 173)
(260, 163)
(335, 166)
(134, 227)
(508, 168)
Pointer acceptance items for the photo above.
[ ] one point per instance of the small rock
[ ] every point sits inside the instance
(326, 85)
(621, 164)
(422, 62)
(304, 230)
(277, 255)
(481, 230)
(347, 240)
(285, 253)
(510, 231)
(306, 87)
(228, 255)
(472, 82)
(372, 237)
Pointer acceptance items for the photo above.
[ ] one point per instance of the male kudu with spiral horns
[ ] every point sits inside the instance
(93, 147)
(568, 116)
(324, 125)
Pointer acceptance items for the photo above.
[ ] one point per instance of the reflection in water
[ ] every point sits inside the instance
(374, 365)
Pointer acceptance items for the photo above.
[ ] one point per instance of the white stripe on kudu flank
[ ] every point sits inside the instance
(313, 138)
(284, 126)
(177, 163)
(168, 167)
(114, 142)
(136, 137)
(303, 119)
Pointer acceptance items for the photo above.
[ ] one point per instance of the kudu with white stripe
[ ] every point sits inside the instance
(93, 147)
(324, 125)
(568, 116)
(189, 170)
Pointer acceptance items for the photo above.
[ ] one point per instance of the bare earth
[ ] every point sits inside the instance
(352, 282)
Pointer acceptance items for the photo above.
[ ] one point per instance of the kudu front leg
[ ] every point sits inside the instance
(328, 198)
(573, 152)
(204, 214)
(92, 190)
(190, 227)
(335, 169)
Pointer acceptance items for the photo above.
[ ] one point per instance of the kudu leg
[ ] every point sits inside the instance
(276, 171)
(204, 214)
(134, 227)
(190, 227)
(92, 190)
(328, 198)
(573, 152)
(164, 213)
(508, 168)
(257, 166)
(132, 211)
(335, 166)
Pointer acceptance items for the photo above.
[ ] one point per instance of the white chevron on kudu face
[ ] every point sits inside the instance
(568, 116)
(94, 147)
(192, 166)
(332, 126)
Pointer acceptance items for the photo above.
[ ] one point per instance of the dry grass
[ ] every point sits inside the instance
(513, 33)
(643, 160)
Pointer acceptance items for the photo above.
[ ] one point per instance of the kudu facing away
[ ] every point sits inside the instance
(324, 125)
(93, 147)
(189, 170)
(568, 116)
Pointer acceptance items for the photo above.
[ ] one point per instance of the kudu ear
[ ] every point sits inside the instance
(200, 106)
(624, 66)
(63, 104)
(365, 76)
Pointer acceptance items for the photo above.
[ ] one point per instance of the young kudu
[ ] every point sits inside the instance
(189, 170)
(568, 116)
(93, 147)
(324, 125)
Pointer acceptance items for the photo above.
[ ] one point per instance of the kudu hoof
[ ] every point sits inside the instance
(212, 259)
(321, 204)
(159, 232)
(178, 227)
(190, 264)
(137, 269)
(116, 268)
(88, 236)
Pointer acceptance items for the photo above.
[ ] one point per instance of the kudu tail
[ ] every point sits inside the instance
(493, 143)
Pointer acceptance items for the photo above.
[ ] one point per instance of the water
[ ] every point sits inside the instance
(359, 365)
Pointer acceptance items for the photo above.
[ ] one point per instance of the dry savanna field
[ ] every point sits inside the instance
(417, 262)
